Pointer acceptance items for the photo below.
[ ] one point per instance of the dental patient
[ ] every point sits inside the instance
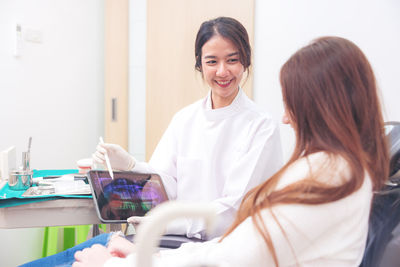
(314, 211)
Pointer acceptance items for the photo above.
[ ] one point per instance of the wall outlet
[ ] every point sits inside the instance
(34, 36)
(8, 162)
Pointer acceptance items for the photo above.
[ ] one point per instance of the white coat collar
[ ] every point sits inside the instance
(221, 113)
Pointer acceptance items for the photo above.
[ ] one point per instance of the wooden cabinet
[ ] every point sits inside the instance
(116, 71)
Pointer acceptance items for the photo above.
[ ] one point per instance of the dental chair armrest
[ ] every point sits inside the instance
(149, 233)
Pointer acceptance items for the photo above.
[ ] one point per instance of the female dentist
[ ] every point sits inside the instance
(219, 147)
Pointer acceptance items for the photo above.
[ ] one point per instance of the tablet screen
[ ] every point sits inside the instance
(128, 194)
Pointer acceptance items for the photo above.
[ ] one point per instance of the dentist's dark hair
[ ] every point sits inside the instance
(330, 94)
(228, 28)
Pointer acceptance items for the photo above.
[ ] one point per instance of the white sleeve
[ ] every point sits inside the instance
(331, 234)
(259, 162)
(312, 236)
(261, 158)
(163, 161)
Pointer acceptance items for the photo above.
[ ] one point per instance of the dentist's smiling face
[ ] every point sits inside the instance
(222, 70)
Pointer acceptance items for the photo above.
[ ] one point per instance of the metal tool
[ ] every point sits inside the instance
(107, 161)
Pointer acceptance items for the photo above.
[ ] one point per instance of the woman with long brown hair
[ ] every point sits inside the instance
(314, 211)
(317, 206)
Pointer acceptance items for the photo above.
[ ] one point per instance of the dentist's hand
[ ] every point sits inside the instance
(119, 158)
(136, 220)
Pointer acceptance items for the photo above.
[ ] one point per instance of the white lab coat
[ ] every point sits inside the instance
(216, 155)
(329, 235)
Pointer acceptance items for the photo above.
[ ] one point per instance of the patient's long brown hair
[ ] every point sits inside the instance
(330, 94)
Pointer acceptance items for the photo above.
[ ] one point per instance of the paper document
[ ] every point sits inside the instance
(63, 185)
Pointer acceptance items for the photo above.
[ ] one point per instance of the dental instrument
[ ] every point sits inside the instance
(107, 161)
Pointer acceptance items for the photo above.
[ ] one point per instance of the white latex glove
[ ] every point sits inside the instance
(119, 158)
(136, 220)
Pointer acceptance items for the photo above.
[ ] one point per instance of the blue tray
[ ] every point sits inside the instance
(10, 198)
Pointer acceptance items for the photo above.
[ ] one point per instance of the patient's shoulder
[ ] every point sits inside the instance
(323, 167)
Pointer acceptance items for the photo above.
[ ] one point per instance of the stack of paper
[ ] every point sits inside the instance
(62, 185)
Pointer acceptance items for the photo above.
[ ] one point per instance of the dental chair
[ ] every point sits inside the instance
(168, 241)
(150, 231)
(383, 243)
(165, 241)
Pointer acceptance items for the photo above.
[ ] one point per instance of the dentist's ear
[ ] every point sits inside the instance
(285, 118)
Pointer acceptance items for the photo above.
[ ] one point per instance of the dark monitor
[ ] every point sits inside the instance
(128, 194)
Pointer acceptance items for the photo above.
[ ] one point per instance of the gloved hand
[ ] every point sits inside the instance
(136, 220)
(119, 158)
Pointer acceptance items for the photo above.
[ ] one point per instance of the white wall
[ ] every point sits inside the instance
(53, 92)
(137, 79)
(283, 26)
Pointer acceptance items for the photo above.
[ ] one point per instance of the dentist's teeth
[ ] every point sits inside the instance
(223, 83)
